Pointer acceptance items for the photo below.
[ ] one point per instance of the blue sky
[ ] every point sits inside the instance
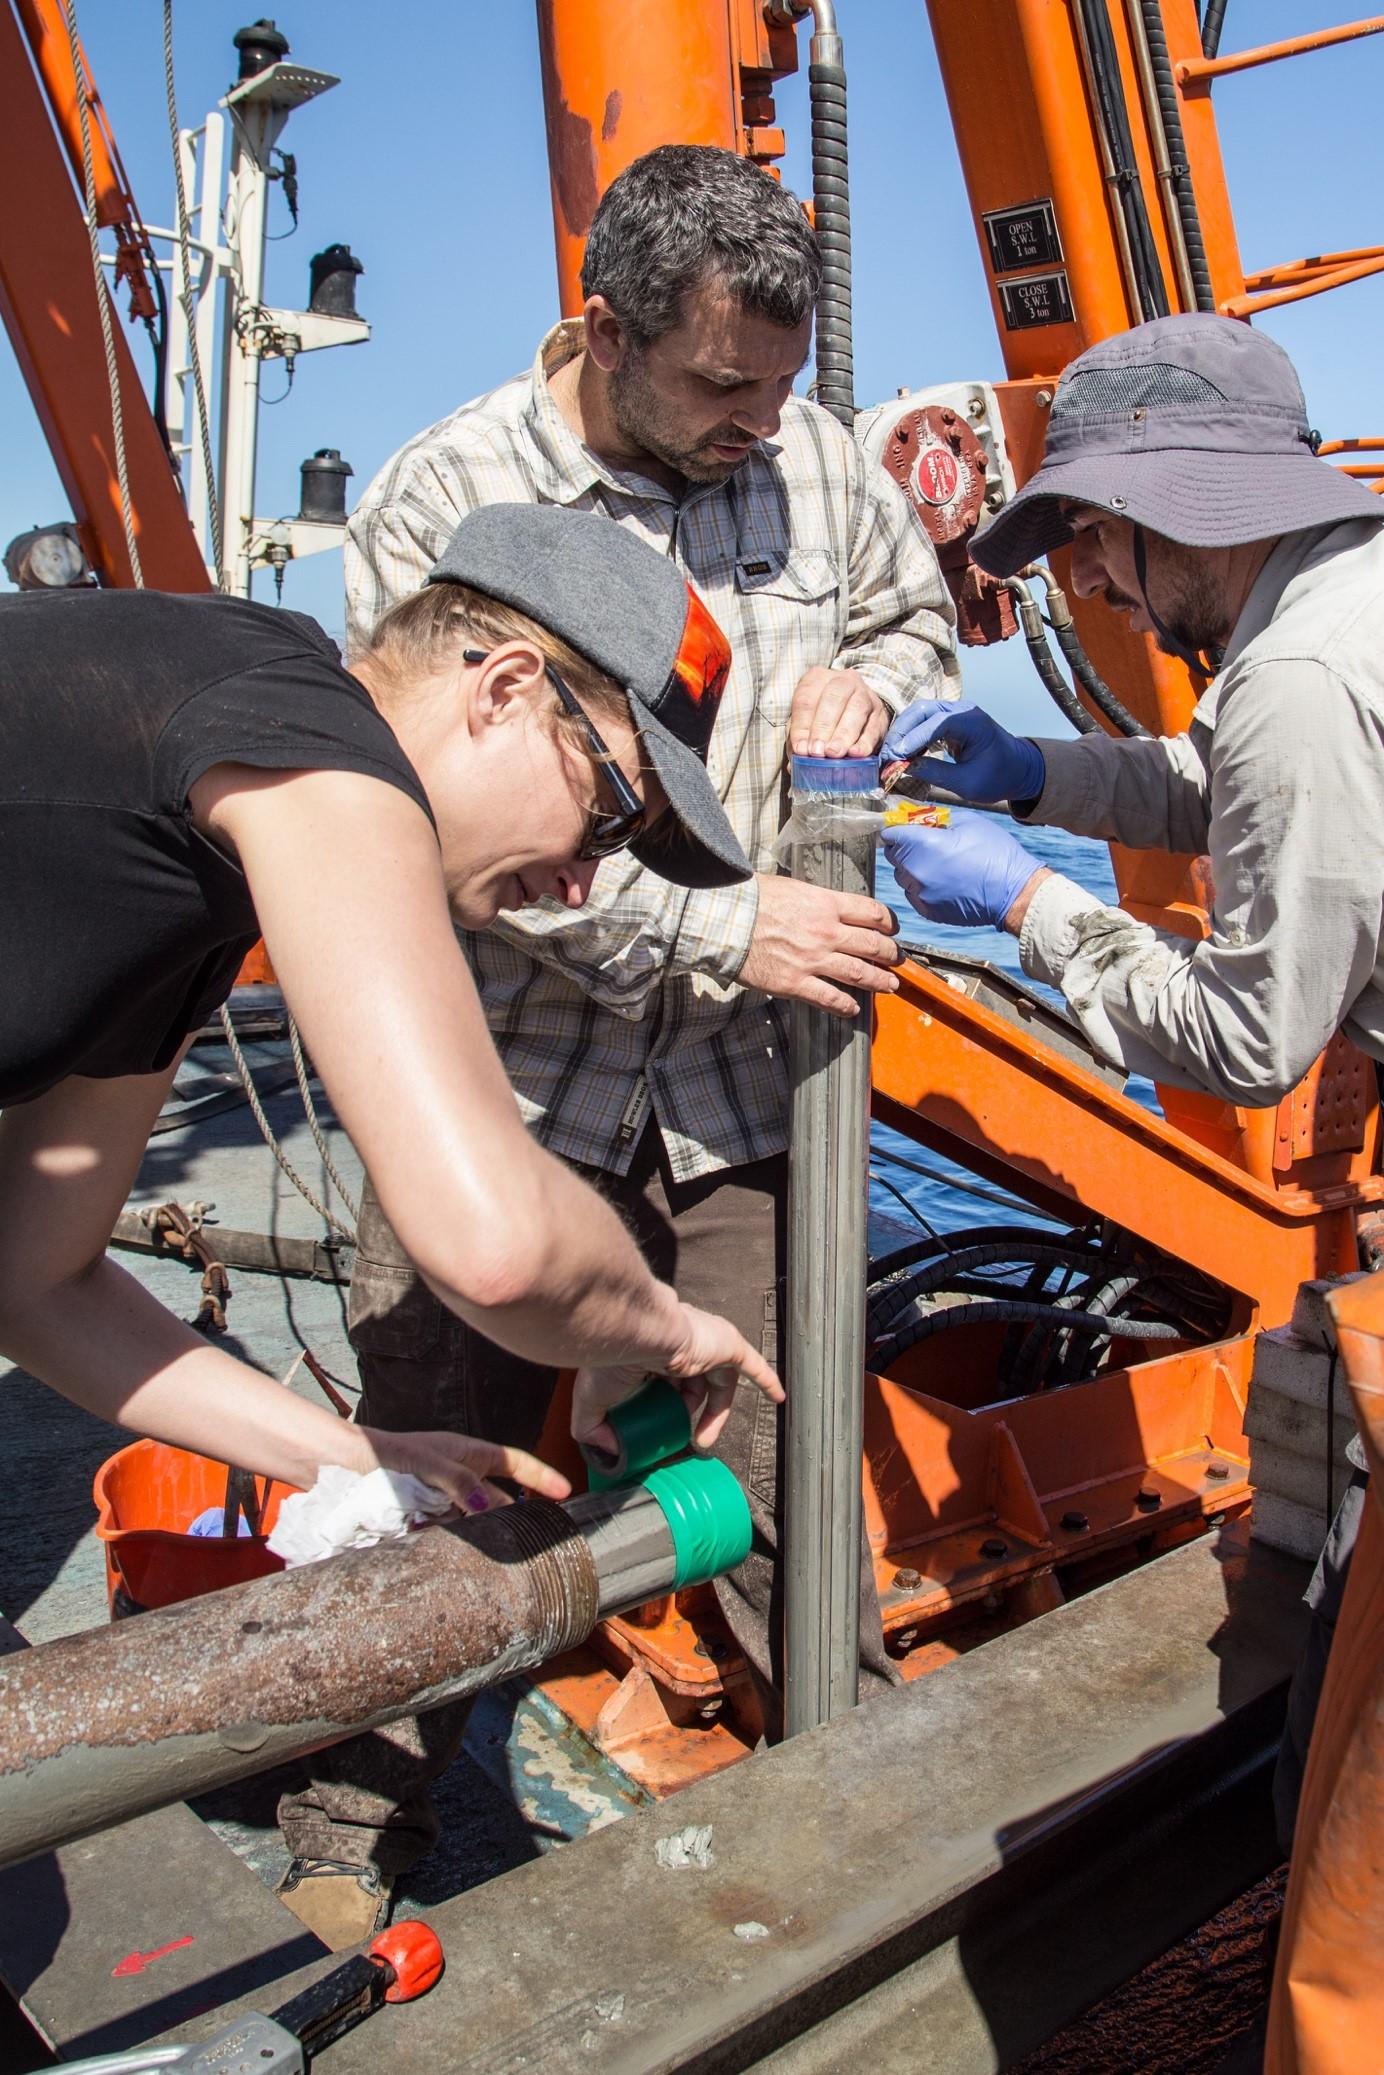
(429, 160)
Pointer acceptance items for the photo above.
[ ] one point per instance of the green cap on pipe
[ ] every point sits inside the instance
(708, 1517)
(651, 1426)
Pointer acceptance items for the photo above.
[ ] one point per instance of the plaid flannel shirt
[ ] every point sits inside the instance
(808, 554)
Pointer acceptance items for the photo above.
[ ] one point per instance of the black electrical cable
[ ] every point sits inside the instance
(1003, 1310)
(831, 209)
(966, 1187)
(1114, 118)
(1211, 24)
(1170, 113)
(158, 334)
(882, 1182)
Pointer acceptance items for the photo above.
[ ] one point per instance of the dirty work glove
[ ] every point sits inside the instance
(969, 874)
(990, 763)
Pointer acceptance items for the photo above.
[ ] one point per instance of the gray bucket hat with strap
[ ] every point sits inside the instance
(1192, 426)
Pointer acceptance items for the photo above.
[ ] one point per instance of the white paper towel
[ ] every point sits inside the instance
(348, 1509)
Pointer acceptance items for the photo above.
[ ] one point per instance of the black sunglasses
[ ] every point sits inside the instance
(606, 833)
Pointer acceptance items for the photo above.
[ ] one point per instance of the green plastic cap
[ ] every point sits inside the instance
(708, 1517)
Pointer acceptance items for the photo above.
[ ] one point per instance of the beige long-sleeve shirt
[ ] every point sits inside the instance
(807, 554)
(1281, 779)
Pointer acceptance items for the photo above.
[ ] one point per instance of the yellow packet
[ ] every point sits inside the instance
(899, 812)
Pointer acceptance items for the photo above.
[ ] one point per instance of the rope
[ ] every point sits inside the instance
(242, 1066)
(300, 1067)
(79, 80)
(187, 301)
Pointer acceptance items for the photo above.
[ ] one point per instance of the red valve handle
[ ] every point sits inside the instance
(412, 1952)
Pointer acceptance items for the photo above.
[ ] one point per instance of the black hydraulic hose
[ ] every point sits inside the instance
(1080, 664)
(899, 1291)
(831, 208)
(1054, 683)
(1170, 114)
(1114, 118)
(920, 1250)
(1068, 1361)
(1004, 1310)
(158, 334)
(1211, 24)
(1060, 1351)
(1092, 683)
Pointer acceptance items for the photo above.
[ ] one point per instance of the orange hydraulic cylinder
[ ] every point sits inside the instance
(48, 305)
(616, 83)
(1327, 2011)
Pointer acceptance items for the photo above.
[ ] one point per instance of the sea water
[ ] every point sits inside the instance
(947, 1196)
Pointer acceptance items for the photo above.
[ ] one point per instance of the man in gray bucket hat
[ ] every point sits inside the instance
(1180, 467)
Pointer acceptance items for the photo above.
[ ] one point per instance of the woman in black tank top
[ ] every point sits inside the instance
(179, 775)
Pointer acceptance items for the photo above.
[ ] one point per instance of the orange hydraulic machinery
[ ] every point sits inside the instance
(1088, 143)
(1099, 200)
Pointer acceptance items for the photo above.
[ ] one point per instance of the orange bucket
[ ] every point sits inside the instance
(147, 1496)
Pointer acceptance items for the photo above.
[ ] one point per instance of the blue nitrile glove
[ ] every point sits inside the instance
(969, 874)
(990, 763)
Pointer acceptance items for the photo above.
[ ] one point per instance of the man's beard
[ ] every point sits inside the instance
(637, 411)
(1191, 609)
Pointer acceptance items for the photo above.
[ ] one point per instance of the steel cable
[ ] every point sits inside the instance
(242, 1066)
(81, 89)
(300, 1068)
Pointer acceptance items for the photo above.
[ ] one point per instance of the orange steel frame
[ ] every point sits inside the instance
(48, 305)
(620, 79)
(980, 1515)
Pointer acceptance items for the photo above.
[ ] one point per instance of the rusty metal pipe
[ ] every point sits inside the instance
(100, 1727)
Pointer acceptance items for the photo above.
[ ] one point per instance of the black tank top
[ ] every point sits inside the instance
(121, 926)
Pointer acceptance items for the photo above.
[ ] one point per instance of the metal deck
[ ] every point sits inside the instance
(913, 1880)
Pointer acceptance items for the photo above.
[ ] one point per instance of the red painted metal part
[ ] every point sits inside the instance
(939, 463)
(412, 1952)
(48, 304)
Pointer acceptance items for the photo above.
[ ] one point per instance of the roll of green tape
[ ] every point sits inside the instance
(708, 1517)
(651, 1426)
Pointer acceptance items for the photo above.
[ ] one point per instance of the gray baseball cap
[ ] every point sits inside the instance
(631, 612)
(1193, 426)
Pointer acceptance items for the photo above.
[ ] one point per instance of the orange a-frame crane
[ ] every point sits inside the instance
(1104, 101)
(1089, 148)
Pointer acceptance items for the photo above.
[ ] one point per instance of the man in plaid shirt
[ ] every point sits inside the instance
(645, 1032)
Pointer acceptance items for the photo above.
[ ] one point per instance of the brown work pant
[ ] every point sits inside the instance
(720, 1240)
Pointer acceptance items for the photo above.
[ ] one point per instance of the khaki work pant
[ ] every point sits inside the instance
(720, 1240)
